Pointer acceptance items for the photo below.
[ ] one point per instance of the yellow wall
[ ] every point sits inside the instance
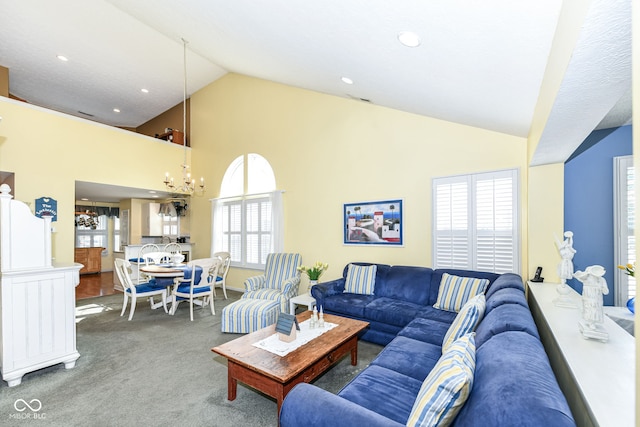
(327, 151)
(49, 151)
(546, 219)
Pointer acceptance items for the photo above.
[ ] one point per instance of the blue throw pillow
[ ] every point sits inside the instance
(455, 291)
(361, 279)
(447, 386)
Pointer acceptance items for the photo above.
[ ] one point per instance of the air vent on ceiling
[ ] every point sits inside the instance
(359, 99)
(85, 114)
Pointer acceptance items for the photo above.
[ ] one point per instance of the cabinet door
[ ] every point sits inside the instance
(81, 256)
(95, 260)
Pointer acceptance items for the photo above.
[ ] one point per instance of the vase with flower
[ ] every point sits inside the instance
(313, 273)
(630, 270)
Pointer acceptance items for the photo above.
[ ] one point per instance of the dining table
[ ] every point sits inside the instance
(165, 275)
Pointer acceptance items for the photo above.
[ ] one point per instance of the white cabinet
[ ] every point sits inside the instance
(151, 220)
(37, 298)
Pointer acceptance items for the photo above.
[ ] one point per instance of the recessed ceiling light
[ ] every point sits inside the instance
(152, 192)
(409, 38)
(143, 90)
(62, 58)
(84, 199)
(347, 80)
(116, 110)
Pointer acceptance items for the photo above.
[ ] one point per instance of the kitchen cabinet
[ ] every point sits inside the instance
(151, 220)
(90, 258)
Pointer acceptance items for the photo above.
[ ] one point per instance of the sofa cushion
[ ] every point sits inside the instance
(466, 321)
(447, 386)
(428, 312)
(425, 330)
(361, 279)
(382, 390)
(512, 376)
(391, 311)
(406, 283)
(409, 357)
(347, 304)
(507, 317)
(455, 291)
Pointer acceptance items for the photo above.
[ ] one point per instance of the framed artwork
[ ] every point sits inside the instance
(373, 223)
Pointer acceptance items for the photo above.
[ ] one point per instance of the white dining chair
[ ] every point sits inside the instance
(135, 291)
(197, 293)
(221, 277)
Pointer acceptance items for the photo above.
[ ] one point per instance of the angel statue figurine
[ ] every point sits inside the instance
(565, 270)
(594, 286)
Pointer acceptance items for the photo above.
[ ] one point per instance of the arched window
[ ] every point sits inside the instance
(247, 218)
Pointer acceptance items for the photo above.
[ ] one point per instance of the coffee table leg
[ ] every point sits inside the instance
(354, 351)
(232, 384)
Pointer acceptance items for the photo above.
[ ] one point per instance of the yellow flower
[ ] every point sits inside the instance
(315, 271)
(629, 269)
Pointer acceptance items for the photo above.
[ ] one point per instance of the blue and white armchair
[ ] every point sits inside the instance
(279, 282)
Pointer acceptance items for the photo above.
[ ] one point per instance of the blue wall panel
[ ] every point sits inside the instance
(588, 201)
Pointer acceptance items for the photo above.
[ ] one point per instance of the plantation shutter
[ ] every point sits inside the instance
(452, 224)
(476, 222)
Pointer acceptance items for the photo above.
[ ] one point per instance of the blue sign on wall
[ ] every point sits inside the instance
(46, 206)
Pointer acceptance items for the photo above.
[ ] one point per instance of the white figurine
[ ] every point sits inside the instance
(594, 286)
(565, 268)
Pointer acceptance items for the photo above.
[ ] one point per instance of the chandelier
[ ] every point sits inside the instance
(186, 184)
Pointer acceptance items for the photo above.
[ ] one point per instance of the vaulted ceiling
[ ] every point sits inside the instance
(481, 64)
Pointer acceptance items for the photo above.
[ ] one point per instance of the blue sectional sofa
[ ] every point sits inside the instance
(512, 385)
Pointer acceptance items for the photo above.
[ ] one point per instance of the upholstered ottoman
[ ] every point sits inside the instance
(248, 315)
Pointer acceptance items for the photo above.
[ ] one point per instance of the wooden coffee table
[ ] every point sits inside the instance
(276, 375)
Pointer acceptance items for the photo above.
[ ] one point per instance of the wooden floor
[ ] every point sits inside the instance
(95, 285)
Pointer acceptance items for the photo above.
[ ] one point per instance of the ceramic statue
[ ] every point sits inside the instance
(594, 286)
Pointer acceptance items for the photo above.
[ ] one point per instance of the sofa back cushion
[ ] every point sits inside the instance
(514, 386)
(506, 280)
(504, 318)
(406, 283)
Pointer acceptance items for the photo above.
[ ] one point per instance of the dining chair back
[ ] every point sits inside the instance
(140, 261)
(176, 252)
(133, 291)
(196, 292)
(221, 278)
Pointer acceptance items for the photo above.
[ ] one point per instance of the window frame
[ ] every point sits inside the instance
(624, 285)
(224, 234)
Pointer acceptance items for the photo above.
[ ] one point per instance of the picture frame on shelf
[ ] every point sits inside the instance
(373, 223)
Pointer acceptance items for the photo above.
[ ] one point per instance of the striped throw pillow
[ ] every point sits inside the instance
(466, 321)
(447, 386)
(455, 291)
(361, 279)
